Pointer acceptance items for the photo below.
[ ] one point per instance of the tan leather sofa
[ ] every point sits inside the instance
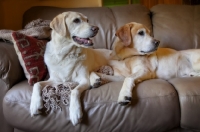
(157, 105)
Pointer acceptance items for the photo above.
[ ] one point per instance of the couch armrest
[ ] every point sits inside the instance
(10, 69)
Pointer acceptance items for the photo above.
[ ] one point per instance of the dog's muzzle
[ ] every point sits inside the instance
(95, 30)
(154, 47)
(86, 41)
(156, 42)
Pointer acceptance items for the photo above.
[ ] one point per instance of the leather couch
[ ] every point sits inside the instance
(157, 106)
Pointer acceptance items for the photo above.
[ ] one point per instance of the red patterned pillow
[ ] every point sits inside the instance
(30, 52)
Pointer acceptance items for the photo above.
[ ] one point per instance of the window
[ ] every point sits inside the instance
(119, 2)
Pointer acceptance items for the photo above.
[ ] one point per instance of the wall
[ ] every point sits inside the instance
(11, 11)
(151, 3)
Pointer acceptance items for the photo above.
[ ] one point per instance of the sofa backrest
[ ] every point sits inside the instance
(107, 19)
(177, 26)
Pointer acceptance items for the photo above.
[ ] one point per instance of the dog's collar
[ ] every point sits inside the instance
(76, 56)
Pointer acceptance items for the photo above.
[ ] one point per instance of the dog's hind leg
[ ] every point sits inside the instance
(36, 98)
(193, 57)
(196, 65)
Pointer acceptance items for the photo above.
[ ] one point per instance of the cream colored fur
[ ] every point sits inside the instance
(69, 61)
(138, 58)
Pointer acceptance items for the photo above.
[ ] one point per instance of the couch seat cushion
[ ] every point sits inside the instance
(189, 95)
(154, 107)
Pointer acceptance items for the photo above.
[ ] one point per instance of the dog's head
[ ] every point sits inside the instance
(75, 27)
(136, 38)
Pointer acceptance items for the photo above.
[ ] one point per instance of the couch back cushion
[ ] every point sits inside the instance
(107, 19)
(177, 26)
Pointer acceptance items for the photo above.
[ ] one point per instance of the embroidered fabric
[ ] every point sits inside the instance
(54, 97)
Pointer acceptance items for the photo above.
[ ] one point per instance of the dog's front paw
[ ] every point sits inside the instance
(36, 100)
(95, 80)
(97, 83)
(75, 111)
(36, 105)
(124, 98)
(75, 114)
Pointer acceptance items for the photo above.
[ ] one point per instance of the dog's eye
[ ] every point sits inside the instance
(141, 33)
(77, 20)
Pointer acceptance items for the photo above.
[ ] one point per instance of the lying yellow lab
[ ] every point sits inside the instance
(138, 58)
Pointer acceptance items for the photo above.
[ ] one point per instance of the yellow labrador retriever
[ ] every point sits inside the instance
(138, 58)
(68, 59)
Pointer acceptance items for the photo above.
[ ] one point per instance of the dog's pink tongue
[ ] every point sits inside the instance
(85, 41)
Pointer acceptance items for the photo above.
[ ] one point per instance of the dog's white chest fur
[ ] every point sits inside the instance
(62, 64)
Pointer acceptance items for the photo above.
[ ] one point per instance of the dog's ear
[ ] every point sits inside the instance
(58, 24)
(124, 34)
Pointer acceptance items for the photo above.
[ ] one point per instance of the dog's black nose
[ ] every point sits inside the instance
(95, 28)
(156, 42)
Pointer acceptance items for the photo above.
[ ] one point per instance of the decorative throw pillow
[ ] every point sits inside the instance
(30, 52)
